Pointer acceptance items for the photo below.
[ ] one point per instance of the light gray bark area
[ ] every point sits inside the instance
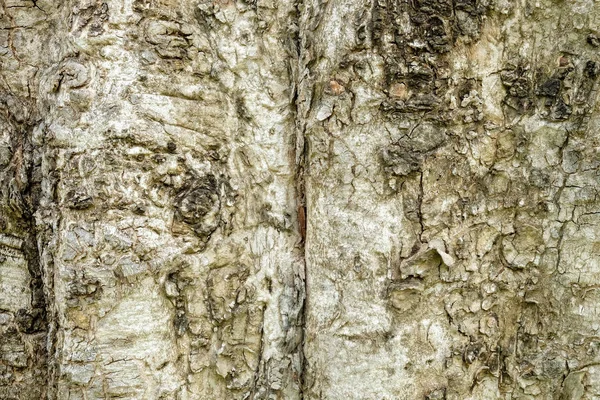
(221, 199)
(452, 200)
(167, 223)
(176, 259)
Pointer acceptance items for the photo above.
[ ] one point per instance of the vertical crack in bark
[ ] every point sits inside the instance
(300, 151)
(36, 322)
(24, 336)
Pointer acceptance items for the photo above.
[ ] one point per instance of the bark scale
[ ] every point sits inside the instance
(217, 199)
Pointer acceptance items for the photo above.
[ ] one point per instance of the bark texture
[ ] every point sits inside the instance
(260, 199)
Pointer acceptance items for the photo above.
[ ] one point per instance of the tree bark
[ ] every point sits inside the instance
(235, 199)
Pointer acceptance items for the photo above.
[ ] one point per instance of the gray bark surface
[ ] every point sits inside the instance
(259, 199)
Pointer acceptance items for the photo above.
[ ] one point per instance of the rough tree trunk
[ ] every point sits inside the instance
(260, 199)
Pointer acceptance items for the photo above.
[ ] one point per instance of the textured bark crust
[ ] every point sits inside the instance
(150, 147)
(234, 199)
(452, 199)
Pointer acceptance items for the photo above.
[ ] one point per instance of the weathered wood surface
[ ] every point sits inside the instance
(220, 199)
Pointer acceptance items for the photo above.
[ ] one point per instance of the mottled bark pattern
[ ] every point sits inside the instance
(166, 208)
(234, 199)
(452, 199)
